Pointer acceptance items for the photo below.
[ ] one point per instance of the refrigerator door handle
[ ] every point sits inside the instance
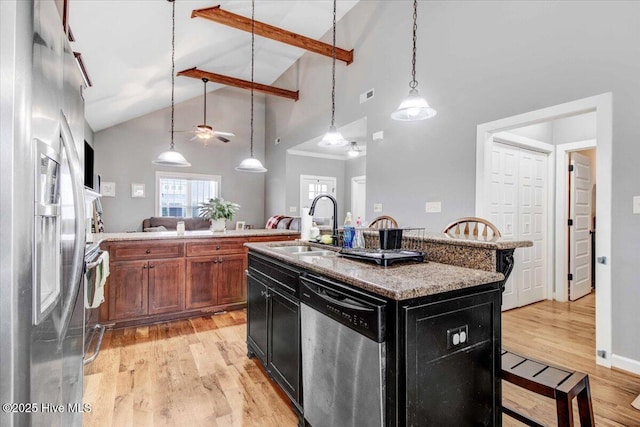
(79, 243)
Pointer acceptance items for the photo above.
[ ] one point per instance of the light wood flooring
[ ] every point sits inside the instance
(196, 373)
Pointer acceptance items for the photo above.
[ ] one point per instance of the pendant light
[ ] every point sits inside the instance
(354, 150)
(413, 107)
(251, 164)
(333, 138)
(172, 157)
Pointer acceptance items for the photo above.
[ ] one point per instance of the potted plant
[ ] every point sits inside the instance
(218, 211)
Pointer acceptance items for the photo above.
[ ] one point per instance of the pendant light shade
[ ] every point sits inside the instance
(414, 107)
(251, 164)
(333, 138)
(172, 157)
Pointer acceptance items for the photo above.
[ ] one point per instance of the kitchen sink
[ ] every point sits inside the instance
(294, 249)
(303, 250)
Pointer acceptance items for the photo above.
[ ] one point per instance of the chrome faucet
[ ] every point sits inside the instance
(334, 230)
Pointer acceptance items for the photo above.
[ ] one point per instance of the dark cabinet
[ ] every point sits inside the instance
(284, 342)
(273, 323)
(257, 313)
(452, 361)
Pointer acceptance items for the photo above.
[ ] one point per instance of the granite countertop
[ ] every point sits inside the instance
(400, 281)
(478, 242)
(198, 234)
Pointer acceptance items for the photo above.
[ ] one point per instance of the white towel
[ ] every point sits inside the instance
(101, 274)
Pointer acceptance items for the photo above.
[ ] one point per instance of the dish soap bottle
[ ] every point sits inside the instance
(347, 232)
(358, 238)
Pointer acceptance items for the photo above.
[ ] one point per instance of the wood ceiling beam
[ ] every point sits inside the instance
(216, 14)
(243, 84)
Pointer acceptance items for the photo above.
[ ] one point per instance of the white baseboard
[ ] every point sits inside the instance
(625, 364)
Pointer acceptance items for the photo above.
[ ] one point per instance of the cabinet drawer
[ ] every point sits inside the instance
(145, 250)
(215, 247)
(274, 274)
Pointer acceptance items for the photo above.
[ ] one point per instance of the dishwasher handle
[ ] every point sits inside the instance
(336, 298)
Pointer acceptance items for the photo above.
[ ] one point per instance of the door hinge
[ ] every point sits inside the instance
(570, 168)
(601, 353)
(570, 276)
(570, 222)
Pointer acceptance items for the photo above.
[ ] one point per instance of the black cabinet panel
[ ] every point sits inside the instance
(453, 382)
(257, 318)
(284, 348)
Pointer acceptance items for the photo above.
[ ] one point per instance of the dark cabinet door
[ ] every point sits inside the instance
(128, 290)
(202, 275)
(284, 343)
(453, 382)
(231, 278)
(166, 286)
(257, 318)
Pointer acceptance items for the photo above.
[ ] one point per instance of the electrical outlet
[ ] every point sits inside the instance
(636, 204)
(293, 209)
(457, 336)
(433, 207)
(378, 135)
(377, 207)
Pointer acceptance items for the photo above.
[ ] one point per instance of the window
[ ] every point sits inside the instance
(179, 194)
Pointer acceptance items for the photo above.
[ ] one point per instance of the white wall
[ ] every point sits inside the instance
(124, 153)
(477, 62)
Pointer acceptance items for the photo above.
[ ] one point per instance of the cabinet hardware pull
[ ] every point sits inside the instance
(148, 251)
(220, 261)
(144, 267)
(217, 247)
(151, 266)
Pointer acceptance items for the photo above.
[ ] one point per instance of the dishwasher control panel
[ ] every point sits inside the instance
(361, 312)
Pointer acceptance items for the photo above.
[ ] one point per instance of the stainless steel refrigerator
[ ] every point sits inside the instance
(42, 233)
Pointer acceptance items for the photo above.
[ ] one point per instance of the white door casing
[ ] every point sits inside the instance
(312, 186)
(358, 197)
(580, 231)
(603, 107)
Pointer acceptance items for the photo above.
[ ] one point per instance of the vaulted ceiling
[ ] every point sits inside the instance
(126, 47)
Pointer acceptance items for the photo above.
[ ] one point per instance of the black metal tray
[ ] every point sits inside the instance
(383, 257)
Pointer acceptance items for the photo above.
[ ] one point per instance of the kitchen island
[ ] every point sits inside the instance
(438, 338)
(159, 276)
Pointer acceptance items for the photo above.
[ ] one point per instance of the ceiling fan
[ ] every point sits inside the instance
(204, 132)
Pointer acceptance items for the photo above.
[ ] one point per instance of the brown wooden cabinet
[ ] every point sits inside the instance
(139, 288)
(155, 280)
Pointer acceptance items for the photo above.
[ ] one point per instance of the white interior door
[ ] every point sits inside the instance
(358, 197)
(518, 207)
(579, 232)
(312, 186)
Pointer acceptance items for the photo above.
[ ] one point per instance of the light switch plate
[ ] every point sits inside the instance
(636, 204)
(293, 209)
(377, 207)
(433, 207)
(378, 135)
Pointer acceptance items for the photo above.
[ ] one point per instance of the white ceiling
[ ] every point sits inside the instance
(126, 47)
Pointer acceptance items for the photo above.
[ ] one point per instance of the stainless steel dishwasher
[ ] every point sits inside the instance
(343, 355)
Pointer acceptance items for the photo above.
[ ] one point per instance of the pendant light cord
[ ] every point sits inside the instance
(414, 83)
(253, 37)
(173, 64)
(204, 119)
(333, 73)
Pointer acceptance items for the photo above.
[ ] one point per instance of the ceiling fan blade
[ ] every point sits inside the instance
(223, 139)
(224, 133)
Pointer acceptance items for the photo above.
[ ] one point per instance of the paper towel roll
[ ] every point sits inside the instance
(305, 224)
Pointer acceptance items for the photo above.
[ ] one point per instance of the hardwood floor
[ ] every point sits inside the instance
(564, 334)
(196, 373)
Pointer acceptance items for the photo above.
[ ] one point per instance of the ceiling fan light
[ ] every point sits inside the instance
(171, 158)
(251, 164)
(413, 107)
(333, 138)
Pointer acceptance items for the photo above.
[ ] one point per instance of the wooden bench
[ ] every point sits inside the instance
(551, 381)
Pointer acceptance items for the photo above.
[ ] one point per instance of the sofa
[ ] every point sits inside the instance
(169, 223)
